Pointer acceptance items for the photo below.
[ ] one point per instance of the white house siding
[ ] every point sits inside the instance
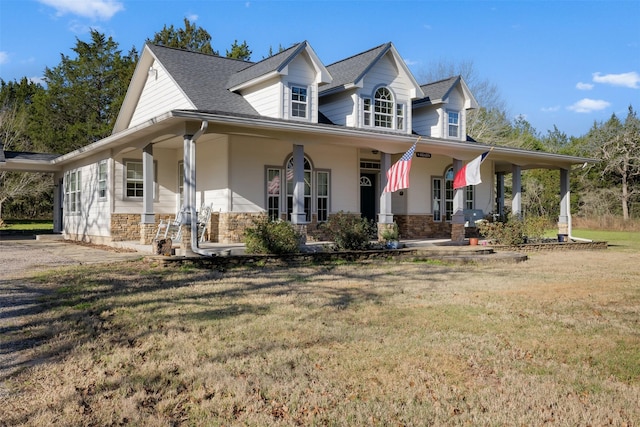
(385, 72)
(212, 181)
(160, 94)
(266, 98)
(426, 121)
(340, 108)
(92, 223)
(301, 72)
(456, 102)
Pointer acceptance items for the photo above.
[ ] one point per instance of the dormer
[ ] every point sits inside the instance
(442, 113)
(283, 86)
(372, 90)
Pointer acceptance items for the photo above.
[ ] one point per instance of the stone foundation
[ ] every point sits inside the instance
(421, 227)
(231, 226)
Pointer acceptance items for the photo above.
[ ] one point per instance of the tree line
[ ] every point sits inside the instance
(82, 96)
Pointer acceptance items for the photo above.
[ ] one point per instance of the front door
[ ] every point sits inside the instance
(368, 196)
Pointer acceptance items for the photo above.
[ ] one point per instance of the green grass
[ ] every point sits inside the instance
(626, 240)
(24, 226)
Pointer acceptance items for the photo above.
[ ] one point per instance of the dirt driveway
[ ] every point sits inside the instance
(19, 297)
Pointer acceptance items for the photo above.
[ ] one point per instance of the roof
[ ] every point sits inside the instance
(351, 70)
(203, 78)
(271, 64)
(25, 155)
(437, 91)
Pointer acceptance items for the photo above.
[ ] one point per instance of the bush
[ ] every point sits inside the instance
(272, 237)
(349, 231)
(510, 232)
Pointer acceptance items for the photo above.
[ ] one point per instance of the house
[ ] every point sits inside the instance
(287, 137)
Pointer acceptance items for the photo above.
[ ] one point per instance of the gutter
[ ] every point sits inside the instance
(195, 248)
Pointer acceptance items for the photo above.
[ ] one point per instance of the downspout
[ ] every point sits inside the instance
(570, 237)
(194, 214)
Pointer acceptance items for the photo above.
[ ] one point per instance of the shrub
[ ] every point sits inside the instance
(510, 232)
(272, 237)
(349, 231)
(534, 227)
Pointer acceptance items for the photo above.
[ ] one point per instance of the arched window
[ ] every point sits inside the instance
(384, 107)
(444, 185)
(279, 198)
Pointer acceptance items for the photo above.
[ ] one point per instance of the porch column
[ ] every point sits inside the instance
(516, 184)
(148, 219)
(457, 219)
(385, 216)
(188, 201)
(500, 193)
(565, 200)
(58, 195)
(298, 215)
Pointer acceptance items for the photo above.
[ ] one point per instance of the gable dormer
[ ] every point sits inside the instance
(284, 86)
(371, 90)
(442, 113)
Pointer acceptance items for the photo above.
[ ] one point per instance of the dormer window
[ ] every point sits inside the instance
(454, 123)
(382, 111)
(383, 108)
(299, 102)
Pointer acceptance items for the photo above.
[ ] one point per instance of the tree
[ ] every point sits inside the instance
(83, 96)
(191, 37)
(15, 100)
(488, 123)
(617, 144)
(239, 51)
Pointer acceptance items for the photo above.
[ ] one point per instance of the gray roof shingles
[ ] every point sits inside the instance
(204, 78)
(437, 90)
(351, 69)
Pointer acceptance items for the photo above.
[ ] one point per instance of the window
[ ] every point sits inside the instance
(400, 116)
(367, 111)
(102, 179)
(440, 185)
(72, 191)
(448, 194)
(134, 181)
(273, 193)
(322, 194)
(453, 123)
(383, 108)
(280, 186)
(436, 190)
(180, 184)
(299, 101)
(469, 197)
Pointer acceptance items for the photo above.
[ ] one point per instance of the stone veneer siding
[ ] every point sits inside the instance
(231, 226)
(125, 227)
(421, 226)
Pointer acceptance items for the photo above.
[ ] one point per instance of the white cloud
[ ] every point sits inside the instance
(587, 105)
(4, 57)
(550, 109)
(427, 27)
(584, 86)
(631, 79)
(192, 17)
(95, 9)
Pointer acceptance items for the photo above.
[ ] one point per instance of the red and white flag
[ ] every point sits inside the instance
(470, 173)
(398, 174)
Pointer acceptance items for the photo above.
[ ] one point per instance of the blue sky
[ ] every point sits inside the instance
(564, 63)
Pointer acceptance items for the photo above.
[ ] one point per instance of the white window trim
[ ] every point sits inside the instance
(457, 124)
(103, 180)
(125, 180)
(306, 103)
(74, 194)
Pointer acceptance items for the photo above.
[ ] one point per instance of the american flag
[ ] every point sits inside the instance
(398, 174)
